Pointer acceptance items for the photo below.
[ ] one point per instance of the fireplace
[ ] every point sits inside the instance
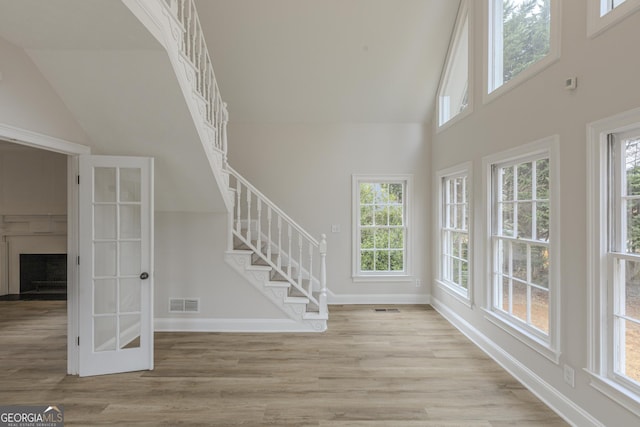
(43, 276)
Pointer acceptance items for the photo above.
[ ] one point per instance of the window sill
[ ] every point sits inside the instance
(455, 291)
(382, 278)
(455, 119)
(597, 24)
(616, 392)
(532, 341)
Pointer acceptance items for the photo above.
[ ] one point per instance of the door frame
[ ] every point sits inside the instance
(72, 150)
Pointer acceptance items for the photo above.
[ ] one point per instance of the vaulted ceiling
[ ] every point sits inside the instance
(328, 61)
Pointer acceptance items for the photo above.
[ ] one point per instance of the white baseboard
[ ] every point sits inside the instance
(561, 404)
(168, 324)
(339, 299)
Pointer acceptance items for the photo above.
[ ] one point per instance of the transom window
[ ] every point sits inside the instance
(624, 252)
(380, 226)
(520, 239)
(454, 232)
(520, 35)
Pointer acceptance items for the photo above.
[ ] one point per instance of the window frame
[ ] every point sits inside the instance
(463, 170)
(464, 16)
(601, 366)
(598, 21)
(550, 345)
(388, 276)
(490, 51)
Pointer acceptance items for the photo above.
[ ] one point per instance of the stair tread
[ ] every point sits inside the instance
(296, 300)
(277, 284)
(259, 267)
(315, 316)
(240, 251)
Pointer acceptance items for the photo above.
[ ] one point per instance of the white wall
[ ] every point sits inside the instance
(27, 100)
(189, 263)
(306, 169)
(607, 70)
(32, 182)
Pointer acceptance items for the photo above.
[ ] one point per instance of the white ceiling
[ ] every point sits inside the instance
(316, 61)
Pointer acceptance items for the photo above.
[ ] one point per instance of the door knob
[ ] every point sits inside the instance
(144, 276)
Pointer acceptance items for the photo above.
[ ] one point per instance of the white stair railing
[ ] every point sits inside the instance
(289, 250)
(293, 254)
(195, 50)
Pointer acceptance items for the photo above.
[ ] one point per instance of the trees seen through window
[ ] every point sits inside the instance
(521, 36)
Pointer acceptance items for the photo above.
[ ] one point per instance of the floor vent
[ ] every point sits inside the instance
(184, 305)
(386, 310)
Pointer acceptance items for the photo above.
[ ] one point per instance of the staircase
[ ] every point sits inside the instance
(270, 250)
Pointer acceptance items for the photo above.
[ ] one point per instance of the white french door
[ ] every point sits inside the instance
(116, 264)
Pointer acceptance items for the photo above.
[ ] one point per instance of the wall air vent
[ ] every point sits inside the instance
(184, 305)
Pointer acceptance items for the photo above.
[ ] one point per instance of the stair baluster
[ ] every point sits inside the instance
(310, 286)
(300, 260)
(238, 206)
(248, 215)
(289, 252)
(269, 240)
(259, 225)
(279, 261)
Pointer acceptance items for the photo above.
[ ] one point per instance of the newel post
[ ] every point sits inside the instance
(225, 119)
(323, 274)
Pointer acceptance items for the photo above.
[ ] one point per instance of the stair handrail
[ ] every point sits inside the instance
(195, 49)
(273, 206)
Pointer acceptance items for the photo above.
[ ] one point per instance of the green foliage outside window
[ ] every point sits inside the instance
(632, 160)
(526, 34)
(382, 231)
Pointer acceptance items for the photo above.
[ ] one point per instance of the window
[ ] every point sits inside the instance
(605, 13)
(521, 241)
(624, 244)
(380, 226)
(454, 222)
(523, 268)
(521, 38)
(454, 93)
(614, 246)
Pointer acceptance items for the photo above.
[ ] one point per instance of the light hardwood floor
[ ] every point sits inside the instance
(369, 369)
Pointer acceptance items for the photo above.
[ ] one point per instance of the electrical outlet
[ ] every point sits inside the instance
(335, 228)
(569, 375)
(418, 283)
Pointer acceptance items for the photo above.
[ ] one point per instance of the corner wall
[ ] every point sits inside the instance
(306, 169)
(607, 70)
